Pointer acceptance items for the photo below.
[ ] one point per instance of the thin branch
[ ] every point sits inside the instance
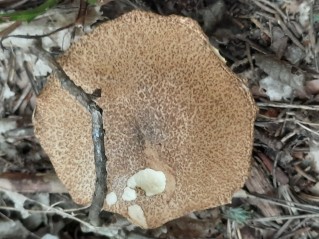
(36, 37)
(97, 132)
(292, 37)
(308, 129)
(281, 23)
(50, 209)
(262, 6)
(276, 201)
(288, 106)
(274, 6)
(47, 211)
(286, 217)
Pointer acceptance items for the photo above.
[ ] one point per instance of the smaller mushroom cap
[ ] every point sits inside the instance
(178, 123)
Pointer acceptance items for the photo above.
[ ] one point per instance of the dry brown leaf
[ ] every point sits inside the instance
(259, 183)
(190, 228)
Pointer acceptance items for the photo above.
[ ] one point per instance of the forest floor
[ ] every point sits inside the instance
(272, 44)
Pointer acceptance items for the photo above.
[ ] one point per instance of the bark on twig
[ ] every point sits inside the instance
(97, 132)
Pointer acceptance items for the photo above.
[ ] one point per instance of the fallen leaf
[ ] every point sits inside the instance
(283, 79)
(274, 89)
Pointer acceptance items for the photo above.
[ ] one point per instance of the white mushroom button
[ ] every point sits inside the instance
(129, 194)
(151, 181)
(136, 214)
(111, 198)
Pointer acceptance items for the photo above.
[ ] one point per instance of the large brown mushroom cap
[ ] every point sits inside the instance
(170, 106)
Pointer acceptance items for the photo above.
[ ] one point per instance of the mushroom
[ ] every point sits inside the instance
(178, 122)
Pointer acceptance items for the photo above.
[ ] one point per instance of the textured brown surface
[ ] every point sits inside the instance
(169, 103)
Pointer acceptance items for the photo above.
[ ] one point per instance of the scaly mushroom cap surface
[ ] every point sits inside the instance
(179, 124)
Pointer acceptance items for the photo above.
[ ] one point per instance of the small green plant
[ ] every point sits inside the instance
(30, 14)
(92, 2)
(239, 214)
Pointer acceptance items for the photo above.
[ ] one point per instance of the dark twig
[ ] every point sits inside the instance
(262, 6)
(36, 37)
(274, 6)
(80, 17)
(97, 132)
(278, 19)
(100, 167)
(253, 45)
(27, 66)
(292, 37)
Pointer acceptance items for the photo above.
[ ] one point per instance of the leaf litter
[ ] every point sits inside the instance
(272, 44)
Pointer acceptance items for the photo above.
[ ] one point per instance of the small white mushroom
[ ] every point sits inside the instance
(136, 214)
(151, 181)
(129, 194)
(111, 199)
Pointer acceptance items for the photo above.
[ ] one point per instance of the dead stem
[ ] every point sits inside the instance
(36, 37)
(289, 33)
(279, 202)
(274, 6)
(262, 6)
(304, 174)
(50, 209)
(288, 106)
(260, 26)
(287, 217)
(308, 129)
(283, 228)
(296, 233)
